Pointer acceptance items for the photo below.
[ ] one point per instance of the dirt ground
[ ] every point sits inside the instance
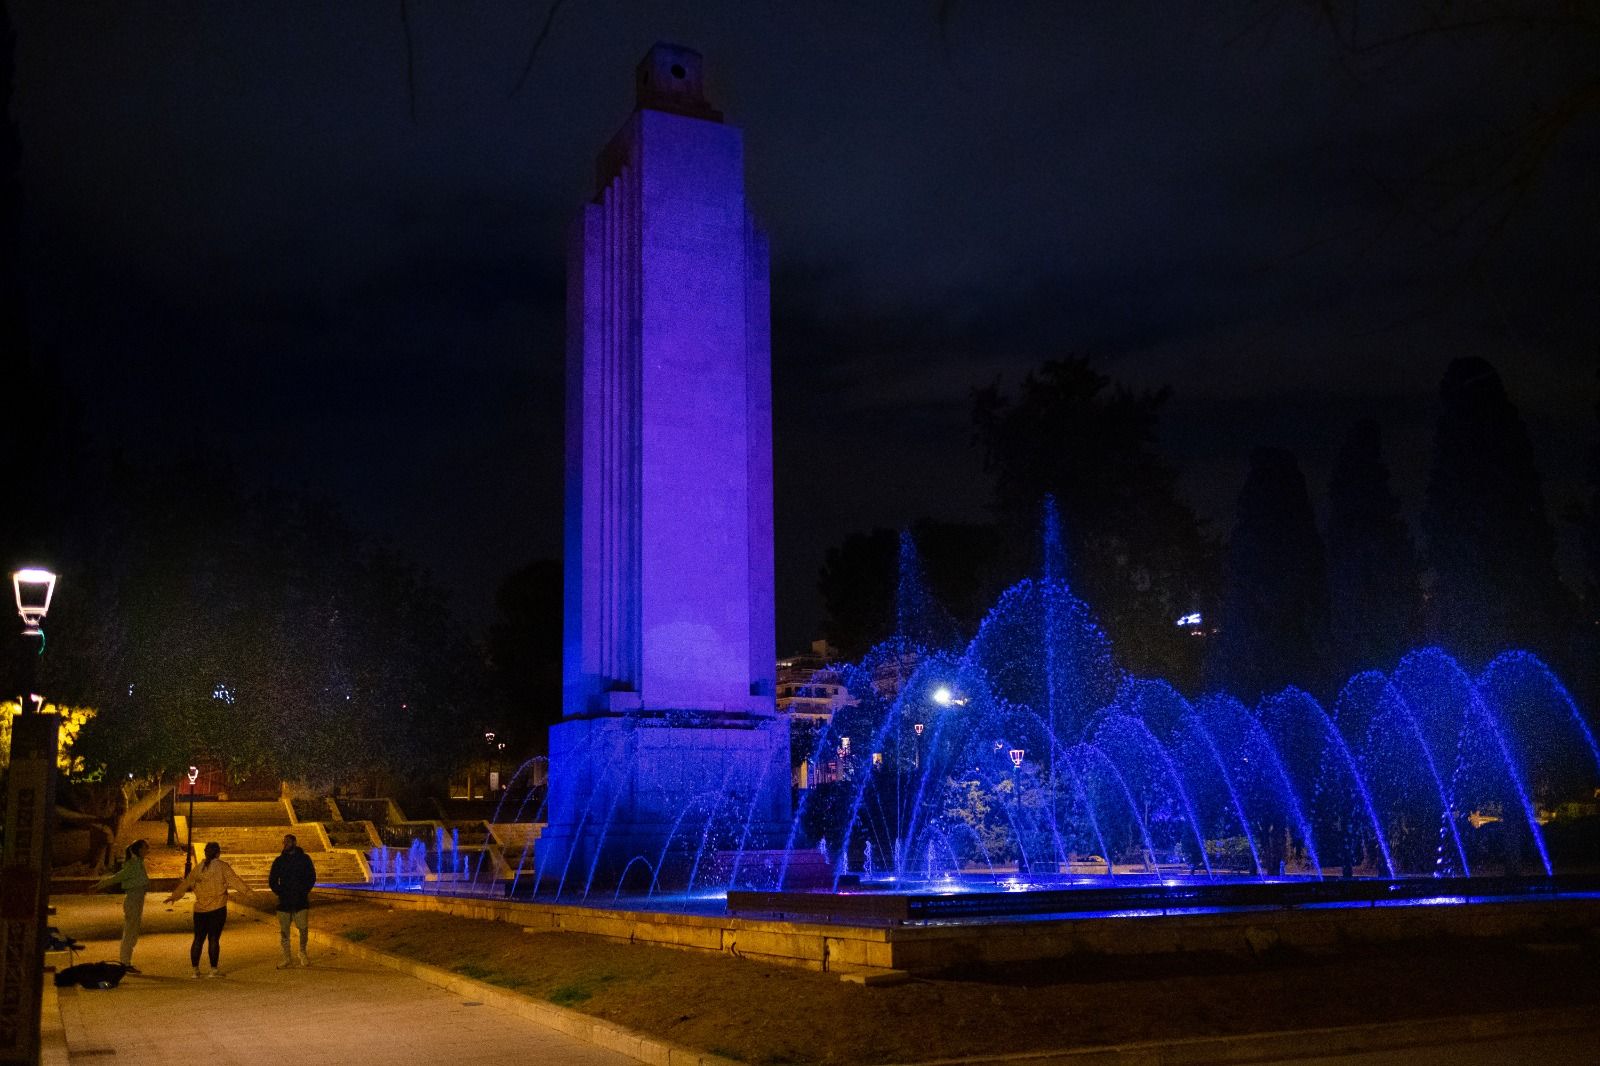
(768, 1014)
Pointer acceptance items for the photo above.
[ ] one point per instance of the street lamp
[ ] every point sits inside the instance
(917, 757)
(1016, 768)
(33, 587)
(25, 851)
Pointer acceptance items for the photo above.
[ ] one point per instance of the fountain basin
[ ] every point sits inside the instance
(1036, 895)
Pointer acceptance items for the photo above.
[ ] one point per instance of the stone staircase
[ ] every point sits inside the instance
(251, 835)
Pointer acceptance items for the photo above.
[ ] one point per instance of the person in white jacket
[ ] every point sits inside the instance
(210, 881)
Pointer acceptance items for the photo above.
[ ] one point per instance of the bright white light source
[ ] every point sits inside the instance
(1189, 621)
(33, 587)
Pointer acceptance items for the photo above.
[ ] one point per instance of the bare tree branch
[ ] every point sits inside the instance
(538, 41)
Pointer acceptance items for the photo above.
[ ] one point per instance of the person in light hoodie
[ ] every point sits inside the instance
(135, 883)
(211, 881)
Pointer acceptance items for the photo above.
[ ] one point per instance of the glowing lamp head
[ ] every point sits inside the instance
(943, 696)
(194, 775)
(33, 588)
(917, 728)
(1016, 757)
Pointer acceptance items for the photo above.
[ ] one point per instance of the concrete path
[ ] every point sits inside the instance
(341, 1010)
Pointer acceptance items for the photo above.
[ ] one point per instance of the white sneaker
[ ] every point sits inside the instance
(214, 973)
(195, 975)
(303, 960)
(285, 964)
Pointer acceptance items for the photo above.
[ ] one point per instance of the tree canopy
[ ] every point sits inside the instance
(1490, 544)
(256, 632)
(1136, 552)
(1274, 618)
(1373, 578)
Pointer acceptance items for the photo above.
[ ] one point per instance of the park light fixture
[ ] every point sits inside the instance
(1016, 757)
(917, 728)
(944, 697)
(33, 587)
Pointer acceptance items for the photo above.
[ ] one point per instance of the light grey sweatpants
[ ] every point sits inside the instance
(132, 922)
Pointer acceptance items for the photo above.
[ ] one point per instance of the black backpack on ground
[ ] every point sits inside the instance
(92, 975)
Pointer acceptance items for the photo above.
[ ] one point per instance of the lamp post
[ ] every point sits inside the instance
(25, 859)
(1016, 770)
(188, 845)
(917, 754)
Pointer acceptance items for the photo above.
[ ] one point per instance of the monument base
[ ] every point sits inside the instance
(650, 799)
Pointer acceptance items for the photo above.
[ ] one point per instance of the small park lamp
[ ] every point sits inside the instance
(188, 845)
(917, 729)
(1016, 766)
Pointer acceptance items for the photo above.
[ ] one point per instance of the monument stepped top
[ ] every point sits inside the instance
(672, 78)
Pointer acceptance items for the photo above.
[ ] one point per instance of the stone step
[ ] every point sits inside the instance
(261, 839)
(238, 813)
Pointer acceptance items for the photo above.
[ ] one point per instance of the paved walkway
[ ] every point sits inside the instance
(341, 1010)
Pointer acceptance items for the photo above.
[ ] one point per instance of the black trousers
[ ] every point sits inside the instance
(208, 931)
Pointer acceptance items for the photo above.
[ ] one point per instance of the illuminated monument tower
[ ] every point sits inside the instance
(669, 658)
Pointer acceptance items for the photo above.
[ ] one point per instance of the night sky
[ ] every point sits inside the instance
(279, 232)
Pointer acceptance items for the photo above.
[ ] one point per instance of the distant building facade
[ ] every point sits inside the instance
(809, 693)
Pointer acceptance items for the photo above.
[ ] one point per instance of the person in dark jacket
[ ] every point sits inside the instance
(292, 878)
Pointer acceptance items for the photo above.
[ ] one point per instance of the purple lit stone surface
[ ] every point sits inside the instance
(669, 446)
(669, 657)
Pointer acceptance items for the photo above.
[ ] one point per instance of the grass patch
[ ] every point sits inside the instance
(569, 995)
(760, 1014)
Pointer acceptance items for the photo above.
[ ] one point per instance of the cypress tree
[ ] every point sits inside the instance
(1274, 624)
(1490, 545)
(1373, 589)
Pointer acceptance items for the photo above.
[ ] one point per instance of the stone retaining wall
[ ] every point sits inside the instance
(930, 949)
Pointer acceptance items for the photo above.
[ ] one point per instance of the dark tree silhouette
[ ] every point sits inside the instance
(257, 632)
(1373, 572)
(1489, 542)
(1589, 535)
(1135, 550)
(1274, 618)
(857, 583)
(525, 655)
(860, 582)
